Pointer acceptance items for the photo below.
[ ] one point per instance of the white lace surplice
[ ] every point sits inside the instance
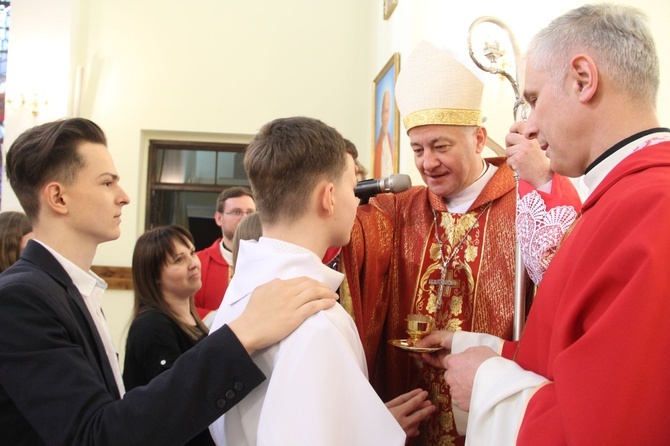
(540, 231)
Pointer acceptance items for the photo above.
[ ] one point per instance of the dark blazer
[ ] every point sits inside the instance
(56, 384)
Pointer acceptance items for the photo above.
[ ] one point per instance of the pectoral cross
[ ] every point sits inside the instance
(442, 282)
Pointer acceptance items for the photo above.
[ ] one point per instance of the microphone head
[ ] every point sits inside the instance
(398, 182)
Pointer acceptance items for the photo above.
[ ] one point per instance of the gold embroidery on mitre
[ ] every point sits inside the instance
(443, 116)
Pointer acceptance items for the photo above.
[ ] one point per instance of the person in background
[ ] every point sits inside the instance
(591, 365)
(303, 179)
(166, 274)
(15, 231)
(232, 205)
(249, 229)
(60, 380)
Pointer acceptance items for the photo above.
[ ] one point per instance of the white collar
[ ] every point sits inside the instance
(461, 202)
(83, 280)
(596, 175)
(266, 259)
(227, 255)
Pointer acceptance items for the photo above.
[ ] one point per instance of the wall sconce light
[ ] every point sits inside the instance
(33, 104)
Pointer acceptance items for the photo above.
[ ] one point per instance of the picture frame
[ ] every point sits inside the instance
(389, 7)
(385, 122)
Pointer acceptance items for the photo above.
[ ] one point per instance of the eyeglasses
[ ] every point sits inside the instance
(239, 212)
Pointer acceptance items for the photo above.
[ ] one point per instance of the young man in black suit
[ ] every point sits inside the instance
(59, 377)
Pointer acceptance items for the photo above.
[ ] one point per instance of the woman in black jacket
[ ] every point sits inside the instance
(165, 324)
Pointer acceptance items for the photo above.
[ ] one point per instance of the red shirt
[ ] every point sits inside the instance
(215, 273)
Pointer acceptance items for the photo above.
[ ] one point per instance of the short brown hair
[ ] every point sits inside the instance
(13, 226)
(362, 171)
(285, 161)
(250, 228)
(351, 148)
(151, 254)
(353, 151)
(231, 192)
(47, 153)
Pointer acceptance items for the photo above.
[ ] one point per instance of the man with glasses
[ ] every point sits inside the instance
(232, 205)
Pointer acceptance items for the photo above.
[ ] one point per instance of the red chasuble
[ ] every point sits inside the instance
(216, 274)
(599, 327)
(392, 263)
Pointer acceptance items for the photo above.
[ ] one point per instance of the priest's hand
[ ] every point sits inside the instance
(410, 409)
(460, 374)
(440, 338)
(278, 307)
(526, 158)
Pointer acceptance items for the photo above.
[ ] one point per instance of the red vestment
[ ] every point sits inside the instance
(598, 329)
(389, 263)
(215, 274)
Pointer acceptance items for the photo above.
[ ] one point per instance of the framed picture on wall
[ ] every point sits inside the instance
(389, 6)
(385, 121)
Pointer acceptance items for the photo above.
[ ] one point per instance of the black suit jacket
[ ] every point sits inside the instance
(56, 384)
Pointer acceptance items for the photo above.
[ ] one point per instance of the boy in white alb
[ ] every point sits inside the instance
(317, 391)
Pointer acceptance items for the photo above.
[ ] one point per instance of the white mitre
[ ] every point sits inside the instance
(433, 87)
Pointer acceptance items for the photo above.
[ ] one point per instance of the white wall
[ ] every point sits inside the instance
(39, 63)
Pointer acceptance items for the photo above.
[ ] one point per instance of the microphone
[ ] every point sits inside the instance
(398, 182)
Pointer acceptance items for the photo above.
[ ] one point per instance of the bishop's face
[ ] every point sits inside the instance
(448, 157)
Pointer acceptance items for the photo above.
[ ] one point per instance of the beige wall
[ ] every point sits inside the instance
(219, 69)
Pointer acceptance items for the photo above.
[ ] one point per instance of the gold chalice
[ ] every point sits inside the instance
(418, 326)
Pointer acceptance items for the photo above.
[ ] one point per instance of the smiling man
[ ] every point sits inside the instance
(445, 250)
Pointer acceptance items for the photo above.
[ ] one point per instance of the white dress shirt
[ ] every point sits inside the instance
(91, 287)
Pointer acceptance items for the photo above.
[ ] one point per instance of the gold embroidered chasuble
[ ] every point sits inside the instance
(390, 262)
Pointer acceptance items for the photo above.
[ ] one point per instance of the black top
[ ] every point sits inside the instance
(154, 343)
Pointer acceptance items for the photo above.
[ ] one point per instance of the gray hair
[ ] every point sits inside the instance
(616, 37)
